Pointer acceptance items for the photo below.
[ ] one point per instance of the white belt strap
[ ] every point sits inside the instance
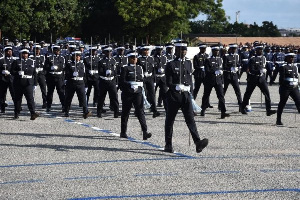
(55, 72)
(78, 78)
(141, 84)
(160, 75)
(291, 79)
(26, 76)
(107, 78)
(148, 74)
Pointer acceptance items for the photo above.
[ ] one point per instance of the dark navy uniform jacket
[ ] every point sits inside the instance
(39, 62)
(147, 63)
(91, 69)
(79, 70)
(288, 71)
(270, 58)
(54, 60)
(160, 64)
(107, 64)
(131, 73)
(198, 62)
(121, 61)
(256, 64)
(212, 65)
(6, 65)
(26, 65)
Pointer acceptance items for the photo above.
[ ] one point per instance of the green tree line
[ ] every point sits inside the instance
(267, 29)
(150, 21)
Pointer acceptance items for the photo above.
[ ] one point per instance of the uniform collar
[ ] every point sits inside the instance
(133, 65)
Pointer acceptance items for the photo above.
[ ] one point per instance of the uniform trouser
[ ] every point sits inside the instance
(198, 82)
(150, 94)
(161, 83)
(137, 100)
(41, 79)
(95, 84)
(243, 69)
(220, 94)
(27, 91)
(236, 86)
(284, 93)
(269, 74)
(261, 82)
(275, 73)
(79, 88)
(110, 87)
(57, 83)
(185, 104)
(3, 92)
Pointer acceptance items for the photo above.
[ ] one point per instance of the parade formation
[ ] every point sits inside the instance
(135, 74)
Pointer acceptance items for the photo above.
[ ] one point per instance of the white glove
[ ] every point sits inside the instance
(234, 69)
(263, 71)
(108, 72)
(75, 74)
(219, 72)
(34, 87)
(146, 74)
(161, 70)
(179, 87)
(294, 83)
(65, 82)
(54, 67)
(21, 73)
(154, 84)
(85, 89)
(134, 87)
(6, 72)
(91, 72)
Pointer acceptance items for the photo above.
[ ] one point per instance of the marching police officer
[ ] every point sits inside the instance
(160, 62)
(269, 63)
(199, 73)
(16, 49)
(24, 83)
(244, 59)
(169, 51)
(54, 67)
(69, 54)
(178, 77)
(230, 75)
(289, 85)
(214, 79)
(6, 79)
(76, 82)
(131, 82)
(39, 62)
(107, 82)
(91, 63)
(256, 77)
(279, 60)
(147, 62)
(121, 61)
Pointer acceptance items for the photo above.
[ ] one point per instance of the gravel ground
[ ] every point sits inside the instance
(248, 156)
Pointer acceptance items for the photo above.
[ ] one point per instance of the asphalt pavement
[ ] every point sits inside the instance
(248, 156)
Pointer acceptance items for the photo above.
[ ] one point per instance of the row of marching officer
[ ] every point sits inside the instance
(101, 73)
(218, 72)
